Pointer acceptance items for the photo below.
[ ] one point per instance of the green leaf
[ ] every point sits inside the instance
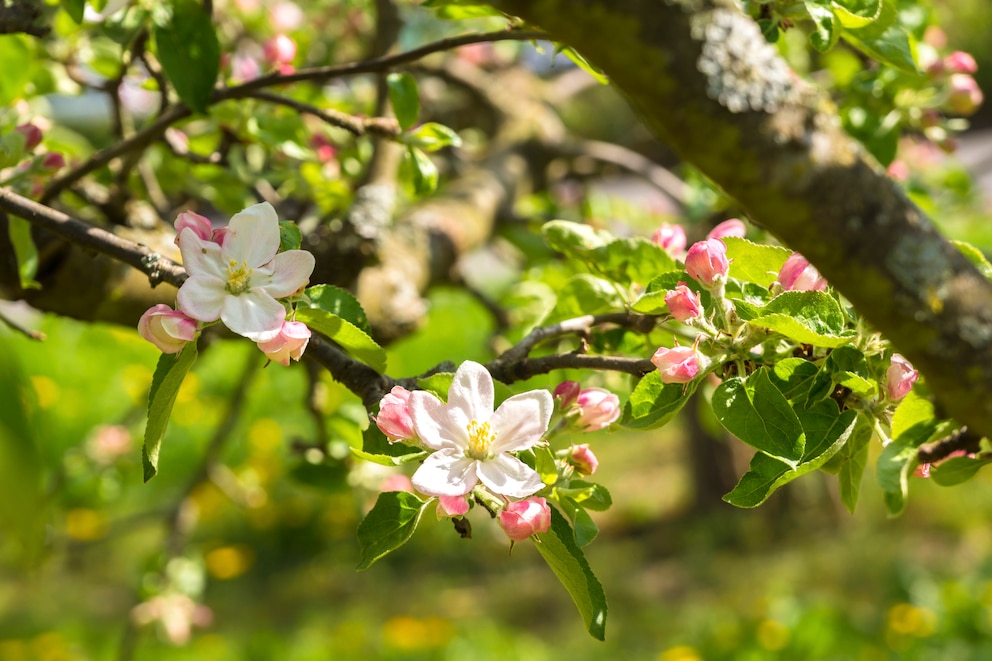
(794, 377)
(389, 460)
(75, 8)
(459, 10)
(14, 79)
(825, 36)
(584, 294)
(807, 317)
(404, 97)
(169, 375)
(652, 301)
(571, 238)
(559, 550)
(892, 472)
(375, 444)
(187, 47)
(976, 257)
(853, 459)
(956, 470)
(913, 422)
(425, 173)
(584, 529)
(653, 404)
(545, 465)
(25, 252)
(388, 525)
(431, 137)
(351, 338)
(885, 40)
(438, 383)
(338, 302)
(756, 412)
(857, 13)
(582, 63)
(589, 495)
(844, 366)
(290, 236)
(755, 263)
(631, 260)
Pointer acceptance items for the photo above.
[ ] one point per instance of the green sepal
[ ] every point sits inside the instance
(168, 378)
(388, 525)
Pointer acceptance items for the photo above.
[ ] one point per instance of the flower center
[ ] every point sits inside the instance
(238, 277)
(480, 437)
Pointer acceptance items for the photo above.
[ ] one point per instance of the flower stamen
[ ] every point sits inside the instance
(238, 277)
(480, 438)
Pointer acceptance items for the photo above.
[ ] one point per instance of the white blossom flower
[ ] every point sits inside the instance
(472, 443)
(238, 282)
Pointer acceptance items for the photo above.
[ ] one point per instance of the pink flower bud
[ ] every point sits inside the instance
(671, 238)
(678, 364)
(166, 328)
(898, 170)
(394, 415)
(900, 377)
(397, 482)
(798, 274)
(683, 303)
(706, 262)
(523, 518)
(597, 409)
(584, 461)
(325, 150)
(732, 227)
(53, 161)
(960, 62)
(32, 135)
(244, 67)
(280, 49)
(566, 393)
(200, 225)
(286, 16)
(291, 342)
(452, 506)
(963, 95)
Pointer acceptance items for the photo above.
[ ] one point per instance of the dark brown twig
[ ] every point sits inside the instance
(960, 439)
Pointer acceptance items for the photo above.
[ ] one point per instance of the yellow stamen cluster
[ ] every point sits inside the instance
(238, 277)
(480, 438)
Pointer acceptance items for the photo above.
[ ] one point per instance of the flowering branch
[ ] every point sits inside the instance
(580, 326)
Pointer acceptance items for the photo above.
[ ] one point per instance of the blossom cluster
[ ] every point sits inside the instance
(236, 276)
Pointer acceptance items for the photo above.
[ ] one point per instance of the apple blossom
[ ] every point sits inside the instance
(798, 274)
(53, 161)
(280, 49)
(396, 482)
(900, 377)
(706, 262)
(683, 303)
(167, 329)
(583, 459)
(963, 96)
(678, 364)
(472, 443)
(238, 282)
(731, 227)
(394, 415)
(523, 518)
(32, 135)
(671, 238)
(291, 342)
(201, 226)
(452, 506)
(595, 408)
(960, 62)
(566, 393)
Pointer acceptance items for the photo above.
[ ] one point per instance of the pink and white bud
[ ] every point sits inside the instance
(683, 303)
(53, 161)
(244, 67)
(286, 16)
(523, 518)
(671, 238)
(707, 263)
(583, 459)
(898, 170)
(678, 364)
(280, 49)
(200, 225)
(394, 415)
(798, 274)
(167, 329)
(448, 506)
(32, 135)
(963, 95)
(325, 150)
(900, 377)
(291, 342)
(596, 409)
(960, 62)
(397, 482)
(731, 227)
(566, 393)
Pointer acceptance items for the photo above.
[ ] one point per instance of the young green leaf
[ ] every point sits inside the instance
(653, 404)
(807, 317)
(75, 8)
(404, 97)
(388, 525)
(885, 40)
(957, 470)
(756, 412)
(755, 263)
(338, 302)
(25, 252)
(424, 171)
(187, 48)
(290, 236)
(169, 375)
(349, 336)
(852, 460)
(431, 137)
(563, 555)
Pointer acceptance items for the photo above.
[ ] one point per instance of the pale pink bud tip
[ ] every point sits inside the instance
(32, 135)
(583, 459)
(798, 274)
(291, 342)
(280, 49)
(596, 409)
(683, 303)
(167, 329)
(523, 518)
(964, 95)
(200, 225)
(678, 364)
(566, 393)
(732, 227)
(900, 377)
(671, 238)
(394, 418)
(707, 263)
(960, 62)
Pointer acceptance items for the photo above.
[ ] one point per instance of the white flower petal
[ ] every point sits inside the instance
(472, 392)
(507, 475)
(254, 314)
(201, 257)
(432, 424)
(253, 235)
(290, 270)
(202, 297)
(446, 473)
(520, 421)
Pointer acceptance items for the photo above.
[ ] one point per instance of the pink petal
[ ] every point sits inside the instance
(253, 235)
(472, 392)
(432, 423)
(446, 473)
(202, 297)
(254, 315)
(520, 421)
(507, 475)
(291, 270)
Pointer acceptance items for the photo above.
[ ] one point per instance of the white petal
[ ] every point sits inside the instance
(520, 421)
(254, 315)
(202, 297)
(446, 473)
(201, 257)
(432, 424)
(290, 271)
(472, 392)
(507, 475)
(253, 235)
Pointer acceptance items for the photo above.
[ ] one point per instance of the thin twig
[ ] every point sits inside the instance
(961, 439)
(27, 332)
(358, 126)
(578, 325)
